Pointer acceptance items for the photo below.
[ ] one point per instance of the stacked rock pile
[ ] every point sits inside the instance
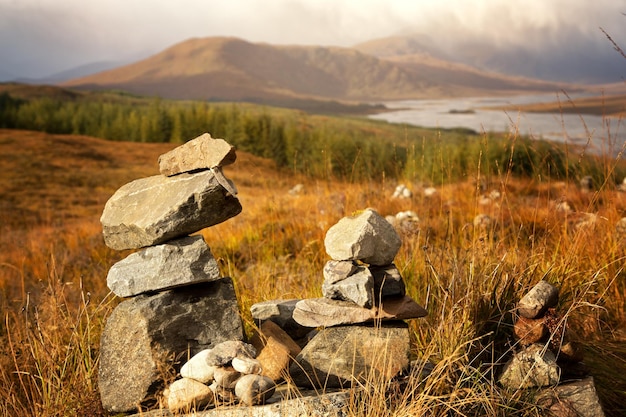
(547, 352)
(225, 374)
(177, 304)
(361, 333)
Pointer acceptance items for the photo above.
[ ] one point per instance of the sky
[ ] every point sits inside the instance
(42, 37)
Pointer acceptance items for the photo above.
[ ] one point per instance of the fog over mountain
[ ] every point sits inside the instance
(550, 39)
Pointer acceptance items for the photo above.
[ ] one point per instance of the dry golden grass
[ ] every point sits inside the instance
(53, 267)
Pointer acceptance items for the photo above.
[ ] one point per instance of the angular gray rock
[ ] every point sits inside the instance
(173, 264)
(367, 237)
(145, 334)
(534, 366)
(203, 152)
(387, 282)
(156, 209)
(340, 356)
(536, 301)
(316, 312)
(335, 271)
(254, 389)
(358, 288)
(281, 313)
(188, 394)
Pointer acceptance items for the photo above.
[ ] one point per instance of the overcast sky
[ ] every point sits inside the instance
(41, 37)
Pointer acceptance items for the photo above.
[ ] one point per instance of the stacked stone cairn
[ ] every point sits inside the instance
(176, 304)
(359, 333)
(546, 356)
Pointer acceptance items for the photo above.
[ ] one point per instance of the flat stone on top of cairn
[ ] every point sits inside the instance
(203, 152)
(365, 237)
(153, 210)
(157, 268)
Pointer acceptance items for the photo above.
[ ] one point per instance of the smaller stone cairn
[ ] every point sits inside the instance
(546, 355)
(360, 333)
(176, 303)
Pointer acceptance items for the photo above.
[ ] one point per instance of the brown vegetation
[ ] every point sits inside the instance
(53, 267)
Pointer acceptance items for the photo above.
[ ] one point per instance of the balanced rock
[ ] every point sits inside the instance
(340, 356)
(281, 313)
(387, 282)
(247, 365)
(226, 377)
(316, 312)
(534, 366)
(358, 287)
(146, 332)
(276, 350)
(529, 331)
(200, 153)
(156, 209)
(224, 352)
(188, 394)
(335, 271)
(197, 368)
(366, 237)
(254, 389)
(539, 299)
(176, 263)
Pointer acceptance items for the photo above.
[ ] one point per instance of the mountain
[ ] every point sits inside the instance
(222, 68)
(582, 59)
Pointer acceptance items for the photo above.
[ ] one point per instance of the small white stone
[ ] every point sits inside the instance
(197, 368)
(247, 365)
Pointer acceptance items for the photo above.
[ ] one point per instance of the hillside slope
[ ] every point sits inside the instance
(223, 68)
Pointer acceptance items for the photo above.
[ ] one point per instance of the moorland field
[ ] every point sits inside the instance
(61, 159)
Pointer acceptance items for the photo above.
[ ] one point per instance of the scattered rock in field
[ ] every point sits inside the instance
(365, 237)
(296, 189)
(156, 209)
(483, 222)
(620, 231)
(587, 184)
(201, 153)
(254, 389)
(188, 394)
(429, 191)
(162, 267)
(402, 191)
(533, 366)
(537, 301)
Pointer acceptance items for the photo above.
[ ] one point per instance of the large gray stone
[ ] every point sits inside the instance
(156, 209)
(539, 299)
(342, 356)
(200, 153)
(367, 237)
(534, 366)
(149, 333)
(316, 312)
(577, 397)
(358, 288)
(173, 264)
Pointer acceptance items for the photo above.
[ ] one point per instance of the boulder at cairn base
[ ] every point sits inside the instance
(201, 153)
(338, 356)
(156, 209)
(173, 264)
(145, 334)
(365, 237)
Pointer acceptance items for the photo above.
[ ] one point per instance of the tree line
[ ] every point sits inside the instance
(321, 146)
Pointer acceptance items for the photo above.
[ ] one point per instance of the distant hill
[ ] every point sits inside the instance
(223, 68)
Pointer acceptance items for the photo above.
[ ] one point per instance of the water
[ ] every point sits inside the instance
(605, 135)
